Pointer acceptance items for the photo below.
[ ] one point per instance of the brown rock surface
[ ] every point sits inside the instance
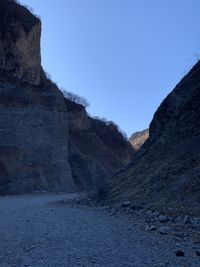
(139, 138)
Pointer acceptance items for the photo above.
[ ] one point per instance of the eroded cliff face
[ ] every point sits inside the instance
(33, 114)
(139, 138)
(96, 150)
(19, 44)
(46, 142)
(165, 172)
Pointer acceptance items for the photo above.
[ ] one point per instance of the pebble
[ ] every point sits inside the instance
(180, 253)
(126, 204)
(150, 228)
(164, 230)
(149, 213)
(134, 207)
(186, 219)
(163, 218)
(197, 253)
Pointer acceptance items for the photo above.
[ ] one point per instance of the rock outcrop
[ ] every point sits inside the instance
(33, 114)
(139, 138)
(36, 151)
(165, 172)
(19, 44)
(96, 149)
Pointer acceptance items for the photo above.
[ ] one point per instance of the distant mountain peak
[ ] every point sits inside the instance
(137, 139)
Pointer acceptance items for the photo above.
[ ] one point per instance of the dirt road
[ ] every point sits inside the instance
(35, 231)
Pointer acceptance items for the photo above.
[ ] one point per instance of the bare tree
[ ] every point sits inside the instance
(75, 98)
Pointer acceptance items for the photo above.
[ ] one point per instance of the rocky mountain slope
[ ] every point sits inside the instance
(165, 172)
(96, 149)
(139, 138)
(36, 152)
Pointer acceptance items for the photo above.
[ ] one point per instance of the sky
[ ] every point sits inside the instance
(123, 56)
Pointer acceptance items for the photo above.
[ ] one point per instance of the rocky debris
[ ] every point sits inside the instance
(150, 228)
(163, 218)
(180, 232)
(113, 213)
(186, 219)
(180, 253)
(197, 253)
(101, 240)
(164, 230)
(139, 138)
(195, 221)
(149, 213)
(126, 204)
(136, 208)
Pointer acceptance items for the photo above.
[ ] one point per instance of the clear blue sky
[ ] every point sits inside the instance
(124, 56)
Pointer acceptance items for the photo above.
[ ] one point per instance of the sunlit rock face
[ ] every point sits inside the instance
(19, 43)
(139, 138)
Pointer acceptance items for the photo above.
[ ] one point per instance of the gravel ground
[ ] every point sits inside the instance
(41, 230)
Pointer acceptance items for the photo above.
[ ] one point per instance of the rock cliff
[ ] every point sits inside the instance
(165, 172)
(33, 115)
(19, 44)
(96, 149)
(139, 138)
(46, 141)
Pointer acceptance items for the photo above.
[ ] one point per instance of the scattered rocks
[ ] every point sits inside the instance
(197, 253)
(164, 230)
(156, 213)
(186, 219)
(30, 248)
(180, 253)
(135, 207)
(163, 218)
(149, 213)
(112, 213)
(150, 228)
(126, 204)
(195, 221)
